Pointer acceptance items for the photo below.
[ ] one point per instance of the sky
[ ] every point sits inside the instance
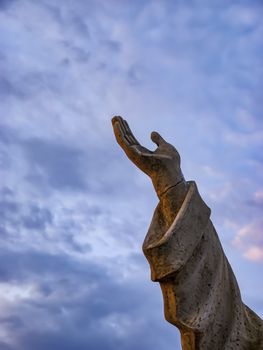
(74, 210)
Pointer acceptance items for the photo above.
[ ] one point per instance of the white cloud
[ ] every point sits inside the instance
(254, 253)
(258, 197)
(163, 65)
(14, 293)
(249, 239)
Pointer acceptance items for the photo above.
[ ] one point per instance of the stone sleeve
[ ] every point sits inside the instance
(168, 253)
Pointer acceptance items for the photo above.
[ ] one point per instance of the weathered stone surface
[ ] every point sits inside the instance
(200, 292)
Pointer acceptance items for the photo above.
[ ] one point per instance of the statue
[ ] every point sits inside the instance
(200, 292)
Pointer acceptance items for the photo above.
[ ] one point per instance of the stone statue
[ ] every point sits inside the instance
(200, 292)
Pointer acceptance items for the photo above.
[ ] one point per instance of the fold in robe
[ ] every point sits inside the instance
(200, 292)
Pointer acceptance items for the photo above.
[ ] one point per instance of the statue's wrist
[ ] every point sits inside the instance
(178, 183)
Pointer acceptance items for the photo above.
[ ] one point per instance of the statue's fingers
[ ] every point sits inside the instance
(129, 133)
(116, 119)
(117, 123)
(124, 133)
(120, 137)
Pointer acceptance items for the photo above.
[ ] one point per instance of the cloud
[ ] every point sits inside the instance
(254, 253)
(8, 88)
(4, 4)
(37, 218)
(73, 209)
(250, 240)
(5, 346)
(51, 160)
(258, 197)
(78, 303)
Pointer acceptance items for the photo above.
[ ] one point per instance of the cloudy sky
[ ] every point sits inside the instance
(74, 211)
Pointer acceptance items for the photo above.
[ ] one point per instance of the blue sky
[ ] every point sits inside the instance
(74, 210)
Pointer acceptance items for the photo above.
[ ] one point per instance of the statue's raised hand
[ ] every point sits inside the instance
(162, 165)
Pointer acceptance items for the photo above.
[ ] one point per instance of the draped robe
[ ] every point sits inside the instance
(200, 292)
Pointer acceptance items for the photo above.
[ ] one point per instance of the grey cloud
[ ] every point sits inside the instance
(68, 341)
(89, 296)
(6, 191)
(9, 209)
(71, 16)
(4, 4)
(22, 87)
(8, 135)
(76, 303)
(35, 82)
(113, 45)
(77, 53)
(4, 346)
(8, 88)
(30, 84)
(15, 215)
(135, 74)
(14, 322)
(69, 239)
(80, 26)
(22, 266)
(37, 218)
(61, 164)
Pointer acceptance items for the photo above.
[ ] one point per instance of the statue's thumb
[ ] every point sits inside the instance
(157, 138)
